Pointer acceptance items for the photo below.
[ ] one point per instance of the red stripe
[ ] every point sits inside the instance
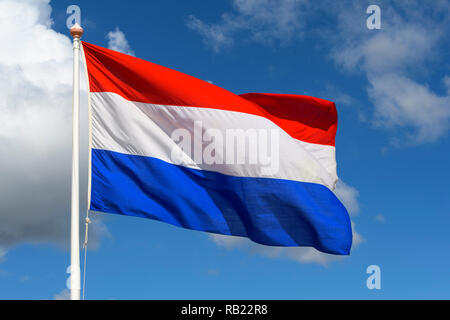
(304, 118)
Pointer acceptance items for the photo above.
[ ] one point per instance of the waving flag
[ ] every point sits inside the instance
(170, 147)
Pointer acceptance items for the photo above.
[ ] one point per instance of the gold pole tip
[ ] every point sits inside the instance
(76, 31)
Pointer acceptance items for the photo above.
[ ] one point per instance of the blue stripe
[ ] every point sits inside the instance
(269, 211)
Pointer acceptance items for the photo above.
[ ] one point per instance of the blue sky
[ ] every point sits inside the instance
(392, 91)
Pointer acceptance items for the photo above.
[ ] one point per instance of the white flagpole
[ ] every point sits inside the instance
(76, 31)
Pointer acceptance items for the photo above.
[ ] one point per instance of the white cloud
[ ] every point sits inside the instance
(380, 218)
(118, 42)
(215, 36)
(392, 49)
(447, 84)
(357, 238)
(413, 35)
(35, 127)
(334, 94)
(264, 21)
(392, 59)
(348, 196)
(63, 295)
(401, 101)
(297, 254)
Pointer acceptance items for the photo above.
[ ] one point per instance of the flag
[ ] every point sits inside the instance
(170, 147)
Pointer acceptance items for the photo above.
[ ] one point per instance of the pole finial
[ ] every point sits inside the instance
(76, 31)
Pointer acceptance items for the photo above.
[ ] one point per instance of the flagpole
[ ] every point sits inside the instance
(76, 31)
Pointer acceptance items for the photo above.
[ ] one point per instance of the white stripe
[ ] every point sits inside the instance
(145, 129)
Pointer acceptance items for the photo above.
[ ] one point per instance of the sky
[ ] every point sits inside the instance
(391, 87)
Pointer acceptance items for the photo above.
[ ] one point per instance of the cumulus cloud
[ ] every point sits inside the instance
(334, 94)
(393, 59)
(118, 42)
(401, 101)
(35, 127)
(63, 295)
(298, 254)
(263, 21)
(348, 196)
